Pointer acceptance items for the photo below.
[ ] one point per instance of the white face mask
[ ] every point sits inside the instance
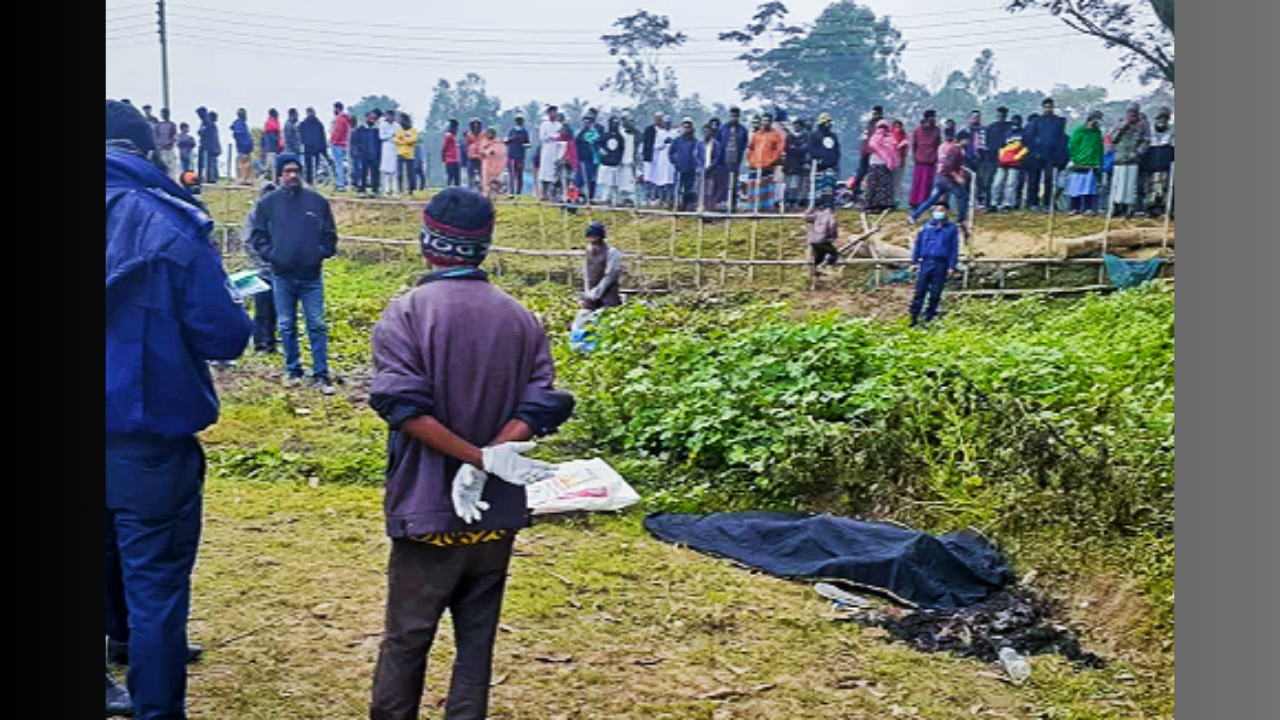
(939, 215)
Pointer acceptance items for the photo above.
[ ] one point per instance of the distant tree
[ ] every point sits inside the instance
(641, 76)
(844, 63)
(955, 99)
(1077, 103)
(370, 102)
(1143, 29)
(983, 78)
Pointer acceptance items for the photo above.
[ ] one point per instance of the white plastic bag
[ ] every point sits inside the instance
(581, 486)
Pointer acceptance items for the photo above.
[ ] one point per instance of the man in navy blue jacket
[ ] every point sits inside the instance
(1046, 139)
(933, 258)
(169, 310)
(294, 232)
(733, 139)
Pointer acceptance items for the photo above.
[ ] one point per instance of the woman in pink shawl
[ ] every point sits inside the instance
(885, 158)
(493, 160)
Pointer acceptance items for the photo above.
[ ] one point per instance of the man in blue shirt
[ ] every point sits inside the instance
(169, 310)
(934, 257)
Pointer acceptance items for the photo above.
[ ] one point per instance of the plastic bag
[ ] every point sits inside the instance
(583, 336)
(581, 486)
(246, 283)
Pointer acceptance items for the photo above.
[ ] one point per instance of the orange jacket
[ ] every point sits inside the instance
(766, 148)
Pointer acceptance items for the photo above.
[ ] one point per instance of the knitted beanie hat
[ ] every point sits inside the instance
(457, 227)
(125, 122)
(284, 159)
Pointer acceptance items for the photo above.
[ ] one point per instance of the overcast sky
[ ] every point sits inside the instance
(227, 54)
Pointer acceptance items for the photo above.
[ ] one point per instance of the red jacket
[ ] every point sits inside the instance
(341, 133)
(450, 150)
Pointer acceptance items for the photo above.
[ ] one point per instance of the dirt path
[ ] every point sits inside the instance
(600, 621)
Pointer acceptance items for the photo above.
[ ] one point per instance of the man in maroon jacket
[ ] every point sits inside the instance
(463, 377)
(339, 141)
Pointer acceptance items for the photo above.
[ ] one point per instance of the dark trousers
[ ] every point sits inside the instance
(208, 166)
(367, 175)
(986, 175)
(473, 173)
(515, 174)
(1040, 182)
(930, 281)
(264, 322)
(405, 174)
(453, 174)
(422, 582)
(687, 190)
(153, 518)
(309, 161)
(585, 178)
(825, 254)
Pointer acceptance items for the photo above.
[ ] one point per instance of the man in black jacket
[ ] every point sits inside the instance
(1046, 140)
(294, 232)
(314, 144)
(997, 136)
(733, 138)
(366, 153)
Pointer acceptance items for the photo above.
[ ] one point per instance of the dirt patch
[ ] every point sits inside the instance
(888, 302)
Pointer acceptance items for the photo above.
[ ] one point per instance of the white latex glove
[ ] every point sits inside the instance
(468, 487)
(507, 463)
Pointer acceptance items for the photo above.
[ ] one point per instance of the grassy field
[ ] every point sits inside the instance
(600, 620)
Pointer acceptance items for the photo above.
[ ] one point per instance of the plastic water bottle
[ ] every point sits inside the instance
(1015, 664)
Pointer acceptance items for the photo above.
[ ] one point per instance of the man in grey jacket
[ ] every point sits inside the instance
(601, 269)
(463, 376)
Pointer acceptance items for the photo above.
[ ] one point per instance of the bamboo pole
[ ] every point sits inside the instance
(1168, 208)
(671, 266)
(697, 269)
(724, 252)
(751, 269)
(813, 182)
(1053, 182)
(1106, 231)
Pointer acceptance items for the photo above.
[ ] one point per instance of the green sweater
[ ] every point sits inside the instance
(1086, 147)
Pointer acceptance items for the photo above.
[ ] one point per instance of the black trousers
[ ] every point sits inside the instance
(264, 322)
(1040, 182)
(309, 161)
(825, 254)
(423, 581)
(453, 174)
(367, 176)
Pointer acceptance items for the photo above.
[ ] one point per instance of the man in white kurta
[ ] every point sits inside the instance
(660, 171)
(387, 134)
(548, 154)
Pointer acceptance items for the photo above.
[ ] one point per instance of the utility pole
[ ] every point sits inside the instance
(164, 54)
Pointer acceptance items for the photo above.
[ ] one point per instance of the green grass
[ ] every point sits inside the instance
(290, 579)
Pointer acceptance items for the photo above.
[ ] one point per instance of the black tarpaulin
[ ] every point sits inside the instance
(939, 572)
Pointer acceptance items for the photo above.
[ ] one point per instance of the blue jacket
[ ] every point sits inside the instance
(1046, 138)
(687, 154)
(169, 306)
(723, 136)
(243, 138)
(937, 240)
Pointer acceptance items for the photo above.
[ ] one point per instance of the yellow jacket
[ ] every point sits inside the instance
(406, 141)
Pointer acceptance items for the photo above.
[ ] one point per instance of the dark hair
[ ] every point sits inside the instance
(273, 112)
(125, 122)
(1046, 101)
(293, 111)
(337, 105)
(1002, 109)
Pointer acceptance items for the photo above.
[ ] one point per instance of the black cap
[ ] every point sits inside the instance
(596, 229)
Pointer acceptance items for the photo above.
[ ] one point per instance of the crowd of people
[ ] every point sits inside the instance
(770, 162)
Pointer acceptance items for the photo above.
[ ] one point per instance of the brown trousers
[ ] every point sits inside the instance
(423, 581)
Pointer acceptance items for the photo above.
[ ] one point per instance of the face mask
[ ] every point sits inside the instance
(939, 216)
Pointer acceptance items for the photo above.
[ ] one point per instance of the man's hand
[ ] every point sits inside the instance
(505, 461)
(915, 268)
(468, 488)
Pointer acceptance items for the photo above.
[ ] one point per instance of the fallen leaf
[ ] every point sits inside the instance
(975, 709)
(500, 680)
(650, 661)
(553, 658)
